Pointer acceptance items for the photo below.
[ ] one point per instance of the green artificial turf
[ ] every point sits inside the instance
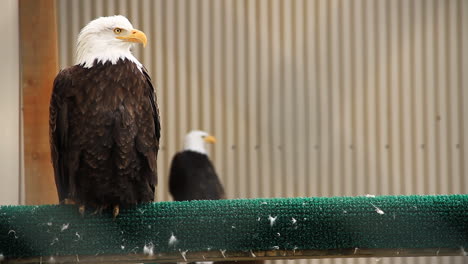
(239, 225)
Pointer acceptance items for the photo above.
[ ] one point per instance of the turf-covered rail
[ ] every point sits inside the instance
(239, 230)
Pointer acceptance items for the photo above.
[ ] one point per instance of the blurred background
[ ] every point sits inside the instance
(305, 97)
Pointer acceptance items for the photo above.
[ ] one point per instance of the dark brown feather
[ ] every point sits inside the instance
(104, 134)
(193, 177)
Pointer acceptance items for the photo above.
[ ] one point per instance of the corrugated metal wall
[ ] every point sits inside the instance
(307, 97)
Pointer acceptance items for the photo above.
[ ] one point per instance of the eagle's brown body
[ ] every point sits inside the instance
(104, 133)
(193, 177)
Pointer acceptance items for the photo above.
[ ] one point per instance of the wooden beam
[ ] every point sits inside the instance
(38, 42)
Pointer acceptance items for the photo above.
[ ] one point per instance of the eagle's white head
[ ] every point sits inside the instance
(108, 39)
(196, 140)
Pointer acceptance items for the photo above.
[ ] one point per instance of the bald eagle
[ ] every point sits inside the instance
(104, 121)
(192, 175)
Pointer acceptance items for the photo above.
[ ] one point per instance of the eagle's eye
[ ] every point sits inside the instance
(117, 30)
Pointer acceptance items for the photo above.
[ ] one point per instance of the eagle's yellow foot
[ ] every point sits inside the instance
(116, 211)
(81, 209)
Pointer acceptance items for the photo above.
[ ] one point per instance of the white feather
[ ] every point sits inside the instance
(194, 141)
(97, 41)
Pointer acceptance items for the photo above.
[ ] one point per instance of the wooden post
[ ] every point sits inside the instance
(38, 42)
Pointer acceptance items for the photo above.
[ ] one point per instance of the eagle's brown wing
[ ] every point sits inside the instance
(154, 103)
(144, 143)
(58, 134)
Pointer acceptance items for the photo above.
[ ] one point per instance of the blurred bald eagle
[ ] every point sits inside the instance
(104, 121)
(192, 175)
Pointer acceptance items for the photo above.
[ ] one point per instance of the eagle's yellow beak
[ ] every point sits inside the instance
(210, 139)
(136, 36)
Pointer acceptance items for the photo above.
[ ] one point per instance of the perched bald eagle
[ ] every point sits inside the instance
(104, 121)
(192, 175)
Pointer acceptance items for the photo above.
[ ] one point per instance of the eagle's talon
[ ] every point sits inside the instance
(116, 211)
(81, 210)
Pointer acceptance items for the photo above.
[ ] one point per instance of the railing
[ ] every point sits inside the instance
(250, 229)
